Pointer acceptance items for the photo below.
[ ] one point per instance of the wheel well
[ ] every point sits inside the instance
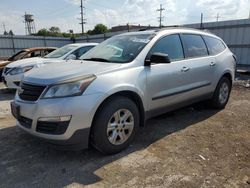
(134, 97)
(229, 76)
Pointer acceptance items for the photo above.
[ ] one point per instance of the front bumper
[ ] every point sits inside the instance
(81, 109)
(12, 81)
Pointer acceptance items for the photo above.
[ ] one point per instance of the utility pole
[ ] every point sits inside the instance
(4, 28)
(83, 21)
(161, 17)
(201, 26)
(217, 17)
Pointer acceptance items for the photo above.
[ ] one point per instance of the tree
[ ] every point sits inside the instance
(55, 30)
(11, 32)
(43, 32)
(99, 29)
(89, 32)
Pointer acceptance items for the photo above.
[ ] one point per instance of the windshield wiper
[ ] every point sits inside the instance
(96, 59)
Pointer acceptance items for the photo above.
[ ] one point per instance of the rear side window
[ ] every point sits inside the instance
(194, 46)
(170, 45)
(215, 46)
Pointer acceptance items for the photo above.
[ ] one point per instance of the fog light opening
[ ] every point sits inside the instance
(55, 119)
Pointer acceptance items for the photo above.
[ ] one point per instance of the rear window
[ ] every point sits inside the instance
(194, 46)
(215, 46)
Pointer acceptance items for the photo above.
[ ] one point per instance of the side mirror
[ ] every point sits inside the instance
(158, 58)
(71, 57)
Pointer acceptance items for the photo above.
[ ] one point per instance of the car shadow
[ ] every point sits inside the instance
(31, 162)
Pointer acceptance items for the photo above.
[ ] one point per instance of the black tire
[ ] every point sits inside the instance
(99, 136)
(215, 101)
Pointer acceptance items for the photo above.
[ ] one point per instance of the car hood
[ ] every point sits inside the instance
(26, 62)
(58, 72)
(35, 61)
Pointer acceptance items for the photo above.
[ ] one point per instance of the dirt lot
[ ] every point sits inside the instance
(192, 147)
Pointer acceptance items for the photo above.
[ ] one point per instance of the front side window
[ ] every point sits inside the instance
(170, 45)
(215, 46)
(35, 53)
(79, 52)
(118, 49)
(194, 46)
(61, 51)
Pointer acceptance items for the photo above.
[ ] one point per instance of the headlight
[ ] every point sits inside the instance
(21, 70)
(68, 89)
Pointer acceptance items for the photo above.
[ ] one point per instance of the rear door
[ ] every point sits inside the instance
(200, 66)
(215, 48)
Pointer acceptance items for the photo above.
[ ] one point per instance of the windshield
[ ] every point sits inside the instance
(61, 51)
(118, 49)
(18, 56)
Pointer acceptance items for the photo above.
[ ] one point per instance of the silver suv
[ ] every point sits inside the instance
(106, 96)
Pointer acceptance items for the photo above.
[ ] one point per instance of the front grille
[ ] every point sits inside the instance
(54, 128)
(6, 70)
(25, 122)
(30, 92)
(17, 83)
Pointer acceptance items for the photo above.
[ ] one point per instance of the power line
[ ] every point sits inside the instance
(161, 17)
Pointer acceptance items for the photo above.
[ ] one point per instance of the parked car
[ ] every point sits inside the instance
(26, 53)
(14, 72)
(122, 82)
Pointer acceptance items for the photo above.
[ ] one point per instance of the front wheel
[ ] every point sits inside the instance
(221, 94)
(115, 125)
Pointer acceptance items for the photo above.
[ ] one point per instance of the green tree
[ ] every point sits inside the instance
(43, 32)
(55, 30)
(99, 29)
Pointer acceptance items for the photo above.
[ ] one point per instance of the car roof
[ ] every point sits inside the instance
(39, 48)
(83, 44)
(170, 30)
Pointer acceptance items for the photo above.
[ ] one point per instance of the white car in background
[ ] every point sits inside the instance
(14, 72)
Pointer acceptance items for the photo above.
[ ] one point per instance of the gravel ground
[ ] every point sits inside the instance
(191, 147)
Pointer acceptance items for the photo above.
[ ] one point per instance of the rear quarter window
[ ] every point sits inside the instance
(215, 46)
(194, 46)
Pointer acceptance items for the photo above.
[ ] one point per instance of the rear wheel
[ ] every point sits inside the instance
(221, 94)
(115, 125)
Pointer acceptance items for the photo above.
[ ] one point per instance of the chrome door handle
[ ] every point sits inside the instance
(212, 64)
(185, 69)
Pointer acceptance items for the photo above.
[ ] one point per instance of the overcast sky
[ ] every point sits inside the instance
(65, 13)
